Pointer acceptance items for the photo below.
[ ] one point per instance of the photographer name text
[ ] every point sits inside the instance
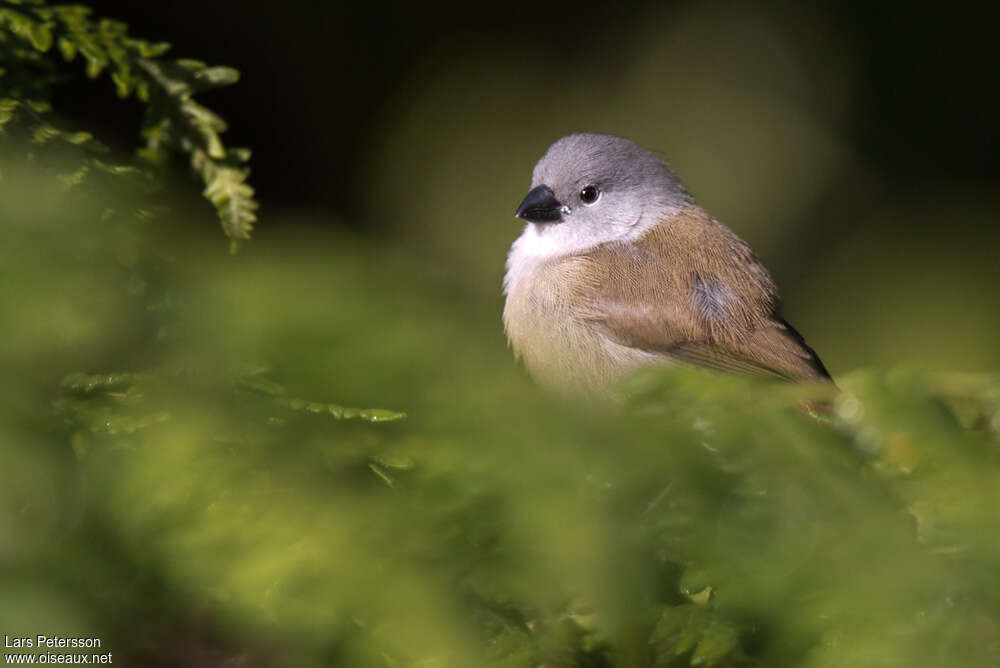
(49, 641)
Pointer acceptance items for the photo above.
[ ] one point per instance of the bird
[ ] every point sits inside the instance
(618, 267)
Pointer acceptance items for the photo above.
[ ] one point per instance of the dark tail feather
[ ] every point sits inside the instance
(814, 359)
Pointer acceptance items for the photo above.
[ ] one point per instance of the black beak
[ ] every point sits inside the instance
(540, 206)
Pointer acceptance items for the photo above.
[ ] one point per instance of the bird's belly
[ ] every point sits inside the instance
(572, 357)
(560, 348)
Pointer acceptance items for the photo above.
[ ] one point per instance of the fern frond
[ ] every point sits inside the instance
(174, 120)
(227, 189)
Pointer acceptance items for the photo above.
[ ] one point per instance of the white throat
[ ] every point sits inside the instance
(530, 250)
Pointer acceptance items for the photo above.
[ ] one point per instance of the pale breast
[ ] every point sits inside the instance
(545, 319)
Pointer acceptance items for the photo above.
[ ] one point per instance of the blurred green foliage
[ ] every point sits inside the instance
(178, 477)
(320, 452)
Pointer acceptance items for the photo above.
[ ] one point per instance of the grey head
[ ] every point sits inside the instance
(589, 189)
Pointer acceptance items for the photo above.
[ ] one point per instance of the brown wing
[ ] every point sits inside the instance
(694, 292)
(777, 350)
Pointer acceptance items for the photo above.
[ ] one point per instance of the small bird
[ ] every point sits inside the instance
(618, 267)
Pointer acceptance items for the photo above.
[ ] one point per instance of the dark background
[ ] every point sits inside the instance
(317, 75)
(853, 144)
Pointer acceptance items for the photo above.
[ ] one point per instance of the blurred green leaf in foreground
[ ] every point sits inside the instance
(179, 478)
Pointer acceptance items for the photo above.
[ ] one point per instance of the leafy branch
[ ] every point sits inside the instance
(106, 402)
(30, 30)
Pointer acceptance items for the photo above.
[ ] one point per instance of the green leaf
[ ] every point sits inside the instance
(240, 154)
(148, 50)
(78, 138)
(233, 199)
(218, 76)
(190, 63)
(123, 82)
(7, 108)
(41, 36)
(43, 134)
(95, 66)
(67, 48)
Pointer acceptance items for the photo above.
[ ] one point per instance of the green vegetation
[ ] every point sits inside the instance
(182, 473)
(711, 522)
(35, 36)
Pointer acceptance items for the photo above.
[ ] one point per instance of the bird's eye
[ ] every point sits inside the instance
(589, 194)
